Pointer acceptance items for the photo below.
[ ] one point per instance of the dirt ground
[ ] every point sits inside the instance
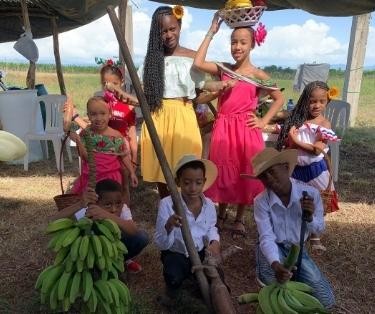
(26, 200)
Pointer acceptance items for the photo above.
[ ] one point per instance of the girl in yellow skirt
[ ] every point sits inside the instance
(169, 84)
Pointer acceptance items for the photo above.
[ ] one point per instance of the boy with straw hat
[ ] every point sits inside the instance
(278, 215)
(193, 176)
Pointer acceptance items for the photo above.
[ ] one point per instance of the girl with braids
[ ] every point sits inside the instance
(237, 133)
(169, 84)
(307, 130)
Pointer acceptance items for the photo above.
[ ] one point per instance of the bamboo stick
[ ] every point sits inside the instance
(193, 254)
(56, 52)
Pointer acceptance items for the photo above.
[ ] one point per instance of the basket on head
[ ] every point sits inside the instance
(242, 17)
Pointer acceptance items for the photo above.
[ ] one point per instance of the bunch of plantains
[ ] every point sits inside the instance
(89, 257)
(291, 297)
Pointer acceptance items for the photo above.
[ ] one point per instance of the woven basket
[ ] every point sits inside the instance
(327, 195)
(64, 200)
(242, 17)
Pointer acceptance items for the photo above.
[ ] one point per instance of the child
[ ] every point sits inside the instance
(109, 149)
(237, 133)
(106, 202)
(193, 176)
(277, 213)
(308, 131)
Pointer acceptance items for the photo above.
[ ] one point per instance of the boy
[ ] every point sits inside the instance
(277, 212)
(107, 202)
(193, 176)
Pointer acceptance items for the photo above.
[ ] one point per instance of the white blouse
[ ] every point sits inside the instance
(180, 79)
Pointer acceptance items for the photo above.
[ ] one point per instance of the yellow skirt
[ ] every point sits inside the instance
(177, 127)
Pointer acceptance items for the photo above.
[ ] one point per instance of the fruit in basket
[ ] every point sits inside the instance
(233, 4)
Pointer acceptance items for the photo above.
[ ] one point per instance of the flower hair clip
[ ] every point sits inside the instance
(178, 11)
(111, 62)
(333, 92)
(260, 34)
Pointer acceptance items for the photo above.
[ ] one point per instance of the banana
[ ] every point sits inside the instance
(115, 250)
(103, 289)
(42, 276)
(74, 289)
(74, 249)
(51, 277)
(308, 300)
(90, 259)
(122, 290)
(107, 246)
(119, 265)
(264, 298)
(80, 265)
(104, 275)
(103, 306)
(292, 257)
(63, 282)
(113, 227)
(248, 298)
(284, 307)
(292, 302)
(68, 264)
(71, 236)
(61, 255)
(53, 302)
(97, 245)
(100, 263)
(104, 231)
(60, 240)
(59, 224)
(115, 293)
(121, 247)
(84, 224)
(66, 304)
(84, 247)
(274, 300)
(55, 237)
(93, 301)
(259, 310)
(296, 285)
(112, 270)
(87, 285)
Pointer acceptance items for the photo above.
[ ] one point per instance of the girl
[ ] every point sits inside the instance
(237, 135)
(108, 145)
(169, 85)
(307, 130)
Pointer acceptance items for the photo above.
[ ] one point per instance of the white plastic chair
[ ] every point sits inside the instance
(53, 130)
(337, 112)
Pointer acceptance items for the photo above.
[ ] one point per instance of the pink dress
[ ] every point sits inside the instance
(233, 145)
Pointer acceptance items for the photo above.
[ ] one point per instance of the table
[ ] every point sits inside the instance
(19, 114)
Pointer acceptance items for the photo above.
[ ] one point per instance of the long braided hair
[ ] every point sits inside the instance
(300, 112)
(153, 72)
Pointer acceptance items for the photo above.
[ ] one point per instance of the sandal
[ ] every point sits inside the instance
(239, 231)
(316, 246)
(220, 222)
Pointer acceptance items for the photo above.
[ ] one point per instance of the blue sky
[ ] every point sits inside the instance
(286, 43)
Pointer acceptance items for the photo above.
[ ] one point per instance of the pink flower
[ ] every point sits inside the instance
(260, 34)
(101, 144)
(109, 62)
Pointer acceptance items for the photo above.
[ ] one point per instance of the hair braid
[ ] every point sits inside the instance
(300, 112)
(153, 72)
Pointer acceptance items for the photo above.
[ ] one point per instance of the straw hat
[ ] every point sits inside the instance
(270, 157)
(211, 169)
(11, 147)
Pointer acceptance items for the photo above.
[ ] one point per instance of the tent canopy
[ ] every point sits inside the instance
(318, 7)
(69, 13)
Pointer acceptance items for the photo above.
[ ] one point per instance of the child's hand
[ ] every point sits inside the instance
(282, 274)
(254, 122)
(89, 197)
(96, 213)
(214, 248)
(133, 180)
(174, 221)
(308, 207)
(74, 137)
(216, 22)
(227, 84)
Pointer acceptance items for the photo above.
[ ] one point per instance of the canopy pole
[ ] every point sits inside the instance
(354, 63)
(56, 52)
(178, 207)
(30, 78)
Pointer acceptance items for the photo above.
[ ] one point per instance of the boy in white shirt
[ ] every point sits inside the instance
(278, 214)
(193, 176)
(107, 202)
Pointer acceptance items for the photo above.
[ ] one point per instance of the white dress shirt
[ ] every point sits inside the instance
(125, 213)
(279, 224)
(202, 228)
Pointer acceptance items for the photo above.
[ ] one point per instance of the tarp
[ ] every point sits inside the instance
(307, 73)
(318, 7)
(70, 14)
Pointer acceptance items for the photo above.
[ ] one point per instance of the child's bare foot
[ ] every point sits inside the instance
(316, 246)
(220, 222)
(239, 228)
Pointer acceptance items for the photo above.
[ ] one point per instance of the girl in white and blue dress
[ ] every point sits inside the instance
(309, 131)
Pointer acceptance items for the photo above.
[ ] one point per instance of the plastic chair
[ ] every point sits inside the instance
(53, 130)
(337, 112)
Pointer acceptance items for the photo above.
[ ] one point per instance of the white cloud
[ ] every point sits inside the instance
(370, 51)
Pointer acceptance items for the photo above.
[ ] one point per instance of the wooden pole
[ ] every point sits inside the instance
(56, 51)
(354, 64)
(30, 78)
(193, 254)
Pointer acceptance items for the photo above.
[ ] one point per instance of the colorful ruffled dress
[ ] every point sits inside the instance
(176, 122)
(108, 151)
(312, 169)
(233, 145)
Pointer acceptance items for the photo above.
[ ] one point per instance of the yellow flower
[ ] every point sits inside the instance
(333, 92)
(178, 11)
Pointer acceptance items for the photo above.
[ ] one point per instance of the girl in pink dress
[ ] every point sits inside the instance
(237, 133)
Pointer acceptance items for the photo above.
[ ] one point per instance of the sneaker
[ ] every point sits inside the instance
(133, 267)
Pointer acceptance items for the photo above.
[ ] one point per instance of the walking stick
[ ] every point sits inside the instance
(301, 238)
(193, 254)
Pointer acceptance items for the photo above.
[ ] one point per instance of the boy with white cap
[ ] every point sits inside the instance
(278, 215)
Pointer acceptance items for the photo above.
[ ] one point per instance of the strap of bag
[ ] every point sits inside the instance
(61, 159)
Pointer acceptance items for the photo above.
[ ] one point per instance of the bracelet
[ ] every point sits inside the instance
(210, 34)
(75, 116)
